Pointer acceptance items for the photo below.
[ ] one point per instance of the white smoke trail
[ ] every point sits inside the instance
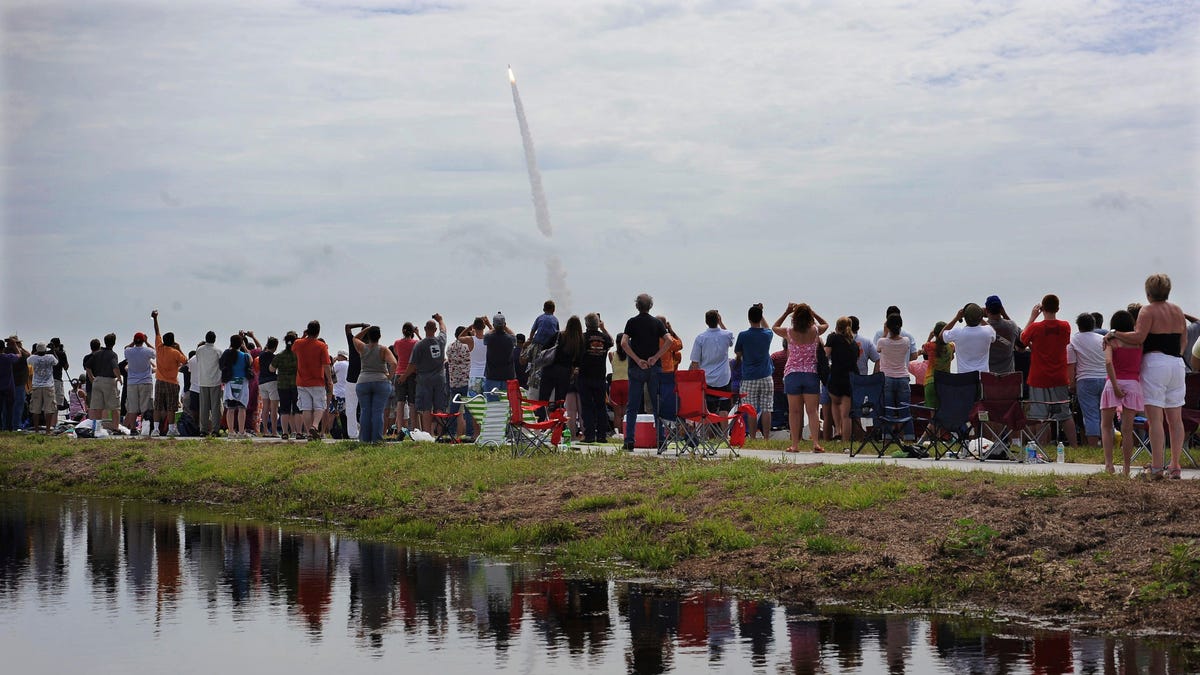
(556, 274)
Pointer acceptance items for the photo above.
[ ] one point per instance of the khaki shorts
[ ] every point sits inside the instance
(268, 391)
(43, 401)
(104, 394)
(139, 397)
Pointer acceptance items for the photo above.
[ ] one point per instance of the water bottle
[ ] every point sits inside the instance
(1061, 457)
(566, 437)
(1030, 453)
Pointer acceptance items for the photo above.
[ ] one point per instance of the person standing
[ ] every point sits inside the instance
(753, 349)
(710, 353)
(543, 334)
(428, 367)
(1122, 390)
(353, 368)
(1087, 373)
(597, 342)
(169, 359)
(1008, 337)
(458, 376)
(1047, 340)
(668, 401)
(19, 380)
(42, 402)
(104, 369)
(56, 348)
(1161, 329)
(207, 376)
(498, 364)
(642, 342)
(406, 389)
(284, 367)
(314, 379)
(139, 382)
(800, 380)
(337, 403)
(8, 391)
(894, 358)
(268, 390)
(374, 383)
(235, 374)
(842, 349)
(972, 341)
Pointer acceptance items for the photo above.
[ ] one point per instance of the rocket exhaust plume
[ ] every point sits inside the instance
(556, 274)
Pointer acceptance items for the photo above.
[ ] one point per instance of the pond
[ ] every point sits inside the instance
(106, 586)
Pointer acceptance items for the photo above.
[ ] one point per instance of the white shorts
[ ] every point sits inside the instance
(268, 391)
(311, 398)
(1162, 380)
(237, 393)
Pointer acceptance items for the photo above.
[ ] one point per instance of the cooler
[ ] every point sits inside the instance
(644, 435)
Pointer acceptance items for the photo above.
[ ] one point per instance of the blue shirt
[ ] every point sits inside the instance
(711, 351)
(754, 344)
(241, 366)
(867, 352)
(545, 329)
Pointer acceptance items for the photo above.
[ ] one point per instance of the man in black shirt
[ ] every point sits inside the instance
(60, 393)
(644, 345)
(590, 383)
(499, 368)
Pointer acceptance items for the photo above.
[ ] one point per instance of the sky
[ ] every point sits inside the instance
(254, 165)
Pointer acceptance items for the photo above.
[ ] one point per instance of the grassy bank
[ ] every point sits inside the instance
(1104, 550)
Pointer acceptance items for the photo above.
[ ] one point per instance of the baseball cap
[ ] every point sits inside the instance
(39, 348)
(993, 302)
(498, 320)
(139, 337)
(342, 354)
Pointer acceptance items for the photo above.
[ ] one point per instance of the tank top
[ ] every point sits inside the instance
(373, 367)
(620, 368)
(478, 359)
(1127, 362)
(1167, 343)
(801, 358)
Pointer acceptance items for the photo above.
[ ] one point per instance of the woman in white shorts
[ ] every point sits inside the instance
(1161, 330)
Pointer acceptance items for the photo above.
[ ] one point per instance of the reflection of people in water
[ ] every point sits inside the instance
(754, 625)
(138, 529)
(423, 591)
(103, 545)
(373, 579)
(653, 615)
(166, 559)
(804, 640)
(49, 558)
(315, 579)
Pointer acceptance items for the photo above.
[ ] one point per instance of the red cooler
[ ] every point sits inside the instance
(644, 435)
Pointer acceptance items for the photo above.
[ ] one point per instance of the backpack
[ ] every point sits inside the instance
(822, 364)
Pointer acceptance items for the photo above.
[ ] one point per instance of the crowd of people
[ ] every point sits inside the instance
(371, 390)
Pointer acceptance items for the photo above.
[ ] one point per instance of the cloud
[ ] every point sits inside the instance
(1118, 201)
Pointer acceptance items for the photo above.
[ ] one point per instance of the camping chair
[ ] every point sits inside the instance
(1000, 415)
(529, 437)
(1042, 420)
(1191, 415)
(719, 425)
(685, 432)
(921, 413)
(866, 402)
(1191, 423)
(445, 426)
(491, 418)
(949, 429)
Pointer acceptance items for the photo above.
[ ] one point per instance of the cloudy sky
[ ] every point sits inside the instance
(257, 164)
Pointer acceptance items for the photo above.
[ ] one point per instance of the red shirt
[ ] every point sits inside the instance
(1047, 342)
(312, 356)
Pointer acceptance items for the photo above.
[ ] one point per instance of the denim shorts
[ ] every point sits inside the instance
(801, 383)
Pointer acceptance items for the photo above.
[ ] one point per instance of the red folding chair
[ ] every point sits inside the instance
(709, 430)
(999, 414)
(529, 437)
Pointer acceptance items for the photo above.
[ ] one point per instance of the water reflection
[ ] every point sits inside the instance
(155, 580)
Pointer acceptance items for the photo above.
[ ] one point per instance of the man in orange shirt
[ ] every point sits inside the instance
(668, 403)
(169, 358)
(314, 379)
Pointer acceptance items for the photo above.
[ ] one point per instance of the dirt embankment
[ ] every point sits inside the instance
(1105, 552)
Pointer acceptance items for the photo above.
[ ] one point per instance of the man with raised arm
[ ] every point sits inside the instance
(168, 358)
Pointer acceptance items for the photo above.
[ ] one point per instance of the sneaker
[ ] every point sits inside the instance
(154, 433)
(626, 447)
